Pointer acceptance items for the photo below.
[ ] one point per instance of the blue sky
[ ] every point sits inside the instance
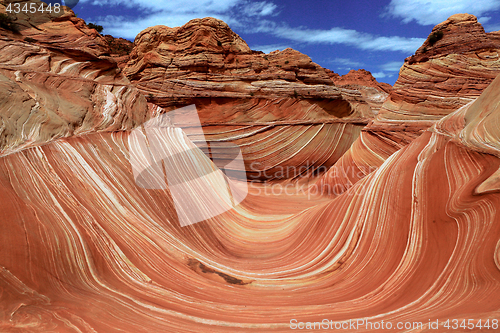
(339, 35)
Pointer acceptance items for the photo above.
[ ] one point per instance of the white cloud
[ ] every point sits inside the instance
(380, 75)
(363, 41)
(388, 69)
(174, 13)
(255, 26)
(392, 43)
(262, 8)
(344, 63)
(270, 47)
(432, 12)
(194, 8)
(484, 19)
(393, 66)
(242, 15)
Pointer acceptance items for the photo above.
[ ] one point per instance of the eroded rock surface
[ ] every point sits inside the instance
(374, 92)
(59, 81)
(444, 76)
(281, 99)
(440, 78)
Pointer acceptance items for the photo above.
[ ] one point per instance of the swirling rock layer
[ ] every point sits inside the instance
(374, 92)
(49, 92)
(65, 32)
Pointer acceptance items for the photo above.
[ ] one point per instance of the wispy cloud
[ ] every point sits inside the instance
(261, 8)
(359, 40)
(124, 27)
(175, 13)
(380, 75)
(484, 19)
(388, 69)
(426, 12)
(344, 63)
(171, 6)
(393, 66)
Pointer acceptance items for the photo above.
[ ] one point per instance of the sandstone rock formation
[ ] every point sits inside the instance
(119, 49)
(440, 78)
(66, 33)
(476, 127)
(281, 99)
(61, 83)
(206, 59)
(443, 76)
(360, 78)
(373, 92)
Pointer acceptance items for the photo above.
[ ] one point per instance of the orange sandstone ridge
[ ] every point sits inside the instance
(442, 77)
(439, 79)
(206, 59)
(66, 33)
(256, 100)
(360, 77)
(84, 249)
